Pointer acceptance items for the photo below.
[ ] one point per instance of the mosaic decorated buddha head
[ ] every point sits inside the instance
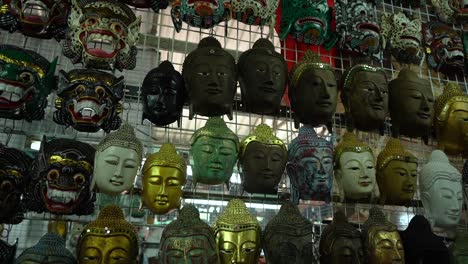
(340, 242)
(164, 175)
(354, 169)
(109, 239)
(188, 240)
(214, 149)
(444, 47)
(357, 26)
(62, 176)
(308, 22)
(262, 78)
(381, 241)
(460, 248)
(118, 157)
(210, 76)
(411, 105)
(102, 34)
(312, 91)
(441, 189)
(255, 12)
(43, 19)
(364, 94)
(7, 252)
(263, 159)
(163, 95)
(202, 14)
(402, 36)
(289, 237)
(451, 120)
(310, 166)
(50, 249)
(26, 79)
(15, 174)
(396, 174)
(237, 234)
(89, 100)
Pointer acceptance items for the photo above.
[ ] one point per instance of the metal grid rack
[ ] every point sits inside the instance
(159, 41)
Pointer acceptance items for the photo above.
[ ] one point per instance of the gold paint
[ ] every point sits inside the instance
(3, 9)
(394, 151)
(350, 143)
(385, 246)
(11, 172)
(92, 77)
(21, 63)
(59, 227)
(309, 61)
(69, 162)
(166, 157)
(264, 135)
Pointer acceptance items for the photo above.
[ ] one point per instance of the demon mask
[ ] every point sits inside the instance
(255, 12)
(309, 22)
(89, 100)
(156, 5)
(102, 34)
(63, 172)
(200, 13)
(26, 79)
(448, 10)
(403, 37)
(357, 26)
(444, 47)
(14, 175)
(36, 18)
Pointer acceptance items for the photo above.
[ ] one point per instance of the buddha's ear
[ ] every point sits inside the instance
(425, 199)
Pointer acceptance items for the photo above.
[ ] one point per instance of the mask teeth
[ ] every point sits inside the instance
(11, 92)
(88, 108)
(36, 8)
(61, 196)
(104, 42)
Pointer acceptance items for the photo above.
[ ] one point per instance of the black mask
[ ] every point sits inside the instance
(163, 95)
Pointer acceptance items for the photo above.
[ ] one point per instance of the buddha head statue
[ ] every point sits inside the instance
(202, 13)
(214, 149)
(263, 159)
(210, 76)
(102, 34)
(7, 252)
(62, 176)
(50, 249)
(26, 79)
(310, 166)
(308, 22)
(118, 157)
(411, 105)
(460, 248)
(164, 175)
(289, 237)
(89, 100)
(381, 241)
(441, 190)
(163, 95)
(444, 47)
(237, 234)
(108, 240)
(188, 240)
(312, 91)
(396, 174)
(402, 36)
(354, 169)
(340, 242)
(15, 174)
(262, 77)
(357, 26)
(451, 120)
(255, 12)
(364, 94)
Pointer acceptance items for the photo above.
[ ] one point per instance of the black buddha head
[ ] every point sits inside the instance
(163, 94)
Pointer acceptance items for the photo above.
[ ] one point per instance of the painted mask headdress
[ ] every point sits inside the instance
(189, 235)
(47, 20)
(447, 10)
(63, 172)
(163, 95)
(15, 174)
(202, 13)
(403, 37)
(89, 100)
(102, 34)
(357, 26)
(50, 248)
(310, 180)
(26, 79)
(308, 22)
(255, 12)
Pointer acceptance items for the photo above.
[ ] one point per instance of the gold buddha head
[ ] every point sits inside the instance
(237, 234)
(164, 175)
(396, 174)
(108, 240)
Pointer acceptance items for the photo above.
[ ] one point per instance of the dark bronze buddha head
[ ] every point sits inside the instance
(50, 249)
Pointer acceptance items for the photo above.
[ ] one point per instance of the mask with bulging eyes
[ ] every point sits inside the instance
(255, 12)
(200, 13)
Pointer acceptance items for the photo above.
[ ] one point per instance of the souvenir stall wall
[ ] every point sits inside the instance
(264, 131)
